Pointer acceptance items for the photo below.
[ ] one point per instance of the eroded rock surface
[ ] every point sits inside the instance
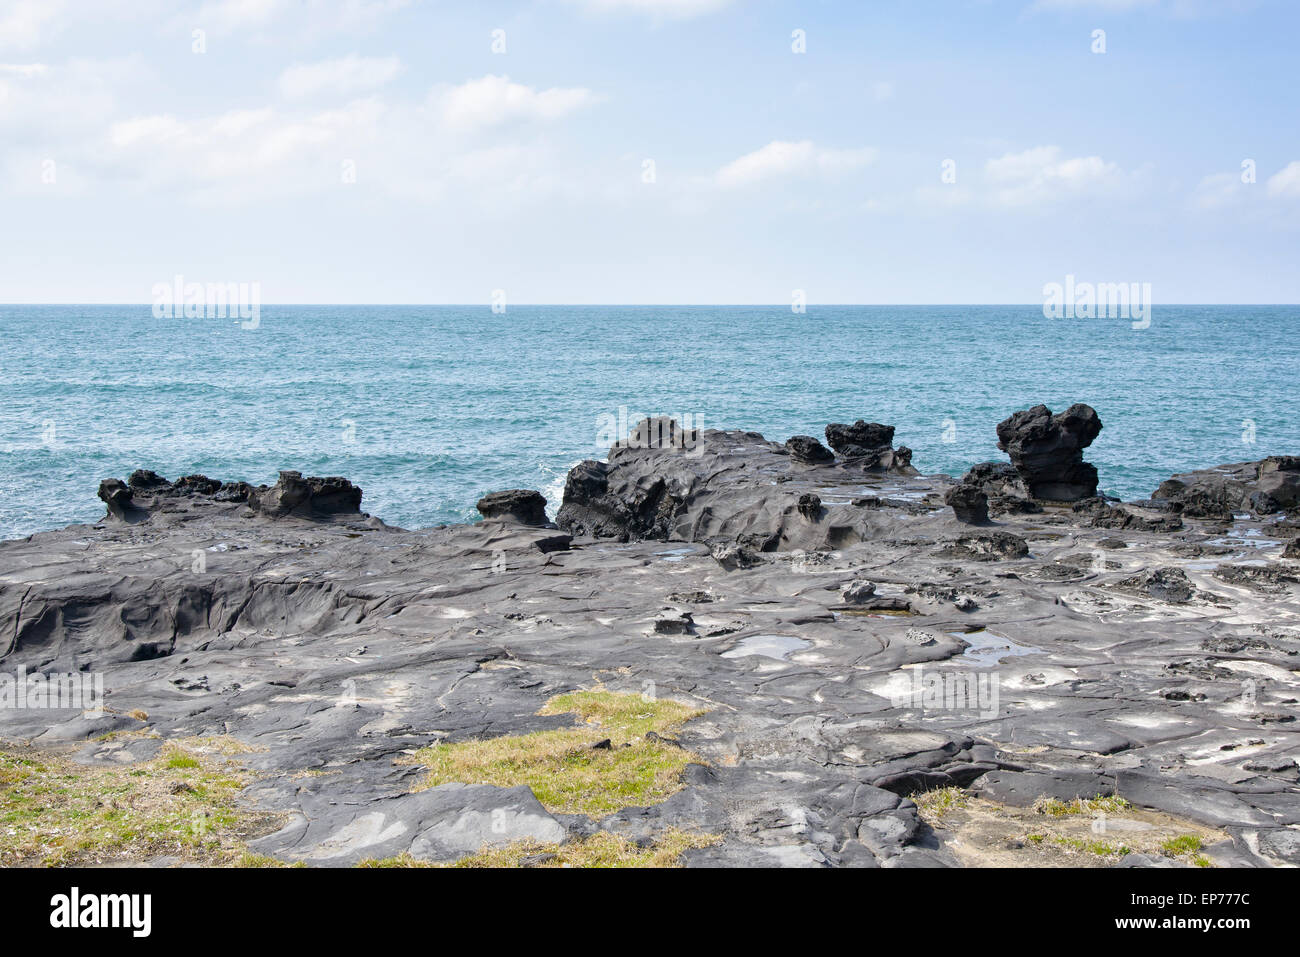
(848, 655)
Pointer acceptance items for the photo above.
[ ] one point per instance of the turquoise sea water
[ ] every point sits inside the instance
(427, 408)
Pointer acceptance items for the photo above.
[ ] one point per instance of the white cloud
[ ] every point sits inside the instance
(24, 22)
(494, 100)
(417, 149)
(1286, 181)
(677, 9)
(345, 76)
(23, 70)
(784, 158)
(320, 16)
(1218, 190)
(1041, 175)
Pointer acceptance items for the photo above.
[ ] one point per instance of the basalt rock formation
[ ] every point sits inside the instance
(969, 504)
(516, 504)
(808, 609)
(1264, 487)
(146, 494)
(869, 445)
(1047, 450)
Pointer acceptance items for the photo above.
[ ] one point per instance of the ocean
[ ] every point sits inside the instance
(429, 407)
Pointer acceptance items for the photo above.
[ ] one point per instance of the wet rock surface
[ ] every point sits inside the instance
(1123, 658)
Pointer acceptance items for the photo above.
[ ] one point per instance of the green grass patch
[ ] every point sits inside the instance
(1053, 807)
(931, 806)
(182, 803)
(561, 767)
(599, 850)
(1182, 844)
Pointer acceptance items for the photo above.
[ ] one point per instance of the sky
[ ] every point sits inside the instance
(649, 151)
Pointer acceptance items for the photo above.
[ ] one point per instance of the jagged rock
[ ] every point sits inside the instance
(1264, 487)
(679, 624)
(1278, 486)
(145, 480)
(312, 496)
(1047, 450)
(806, 450)
(1002, 484)
(198, 485)
(867, 445)
(117, 496)
(860, 438)
(1292, 549)
(734, 557)
(858, 592)
(516, 504)
(987, 547)
(1102, 514)
(1163, 584)
(969, 504)
(810, 506)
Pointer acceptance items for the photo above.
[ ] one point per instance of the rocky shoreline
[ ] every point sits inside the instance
(857, 635)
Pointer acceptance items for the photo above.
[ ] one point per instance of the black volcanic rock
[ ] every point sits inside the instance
(117, 496)
(147, 494)
(969, 504)
(868, 445)
(809, 505)
(808, 451)
(1264, 487)
(1006, 490)
(144, 480)
(1278, 486)
(296, 495)
(1047, 450)
(860, 438)
(201, 619)
(516, 504)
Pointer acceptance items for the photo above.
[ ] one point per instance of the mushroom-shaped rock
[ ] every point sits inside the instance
(1047, 450)
(517, 504)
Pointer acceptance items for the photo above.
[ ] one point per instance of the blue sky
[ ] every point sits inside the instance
(381, 151)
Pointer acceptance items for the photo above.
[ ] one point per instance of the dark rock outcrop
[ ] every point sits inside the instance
(869, 445)
(311, 496)
(146, 495)
(806, 450)
(1264, 487)
(860, 438)
(1006, 490)
(810, 506)
(517, 504)
(1104, 514)
(1047, 450)
(968, 503)
(118, 497)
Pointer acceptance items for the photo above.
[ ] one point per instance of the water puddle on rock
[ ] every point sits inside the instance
(1251, 539)
(676, 554)
(987, 649)
(779, 647)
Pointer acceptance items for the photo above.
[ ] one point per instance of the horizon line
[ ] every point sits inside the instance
(647, 305)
